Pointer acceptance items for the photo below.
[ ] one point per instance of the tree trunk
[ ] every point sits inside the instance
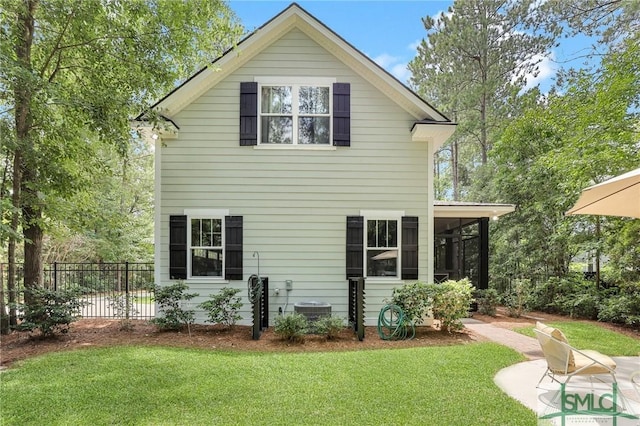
(23, 124)
(455, 176)
(4, 313)
(33, 267)
(5, 309)
(12, 288)
(484, 143)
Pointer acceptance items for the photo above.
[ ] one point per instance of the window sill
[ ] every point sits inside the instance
(295, 147)
(217, 280)
(383, 280)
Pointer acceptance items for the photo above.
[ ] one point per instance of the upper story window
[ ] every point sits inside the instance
(295, 112)
(295, 115)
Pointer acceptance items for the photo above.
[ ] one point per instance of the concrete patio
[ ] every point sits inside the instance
(519, 381)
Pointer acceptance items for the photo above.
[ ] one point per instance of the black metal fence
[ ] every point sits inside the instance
(109, 290)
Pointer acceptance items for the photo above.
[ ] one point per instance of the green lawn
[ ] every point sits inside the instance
(590, 336)
(135, 385)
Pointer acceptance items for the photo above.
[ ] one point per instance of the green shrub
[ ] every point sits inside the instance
(544, 296)
(329, 326)
(170, 301)
(517, 300)
(49, 311)
(584, 304)
(415, 299)
(488, 300)
(622, 308)
(222, 308)
(291, 327)
(569, 295)
(124, 307)
(451, 303)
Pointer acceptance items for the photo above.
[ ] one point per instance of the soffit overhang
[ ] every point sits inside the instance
(452, 209)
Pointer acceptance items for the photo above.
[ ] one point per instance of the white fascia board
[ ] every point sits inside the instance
(473, 211)
(435, 133)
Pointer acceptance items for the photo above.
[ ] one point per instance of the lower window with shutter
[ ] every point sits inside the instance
(205, 244)
(382, 244)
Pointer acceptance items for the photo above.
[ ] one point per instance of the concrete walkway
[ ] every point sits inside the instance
(520, 380)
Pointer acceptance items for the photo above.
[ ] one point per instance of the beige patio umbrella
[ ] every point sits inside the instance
(618, 196)
(389, 254)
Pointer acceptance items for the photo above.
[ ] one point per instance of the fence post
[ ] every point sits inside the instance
(126, 289)
(55, 276)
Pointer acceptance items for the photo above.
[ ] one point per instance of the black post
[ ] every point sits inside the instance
(360, 308)
(352, 303)
(257, 326)
(483, 273)
(126, 289)
(264, 304)
(255, 296)
(356, 305)
(55, 276)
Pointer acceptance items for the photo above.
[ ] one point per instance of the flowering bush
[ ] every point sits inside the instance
(451, 303)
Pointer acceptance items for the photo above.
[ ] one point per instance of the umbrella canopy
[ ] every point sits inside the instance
(619, 196)
(389, 254)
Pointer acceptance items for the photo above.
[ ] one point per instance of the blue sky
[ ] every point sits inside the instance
(385, 30)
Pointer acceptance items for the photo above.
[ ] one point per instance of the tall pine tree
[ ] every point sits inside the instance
(474, 61)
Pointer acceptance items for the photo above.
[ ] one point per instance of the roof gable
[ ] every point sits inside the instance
(296, 17)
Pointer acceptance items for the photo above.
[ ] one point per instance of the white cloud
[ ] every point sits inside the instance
(546, 69)
(401, 72)
(414, 46)
(396, 65)
(385, 60)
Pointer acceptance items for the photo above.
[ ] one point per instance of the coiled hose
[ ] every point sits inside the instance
(393, 325)
(254, 287)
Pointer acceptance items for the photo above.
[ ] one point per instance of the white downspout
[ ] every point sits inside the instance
(157, 216)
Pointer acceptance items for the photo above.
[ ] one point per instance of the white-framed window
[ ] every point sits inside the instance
(382, 244)
(295, 112)
(205, 233)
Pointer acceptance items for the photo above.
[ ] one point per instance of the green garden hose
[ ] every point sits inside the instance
(393, 325)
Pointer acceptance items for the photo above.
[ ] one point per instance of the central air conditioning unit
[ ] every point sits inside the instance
(313, 310)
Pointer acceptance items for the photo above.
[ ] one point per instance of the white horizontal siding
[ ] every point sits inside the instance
(294, 203)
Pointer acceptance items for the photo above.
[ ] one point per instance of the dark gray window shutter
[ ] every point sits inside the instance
(233, 247)
(355, 246)
(409, 248)
(342, 114)
(248, 113)
(178, 247)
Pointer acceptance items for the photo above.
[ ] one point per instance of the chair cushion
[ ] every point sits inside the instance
(581, 361)
(556, 353)
(552, 331)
